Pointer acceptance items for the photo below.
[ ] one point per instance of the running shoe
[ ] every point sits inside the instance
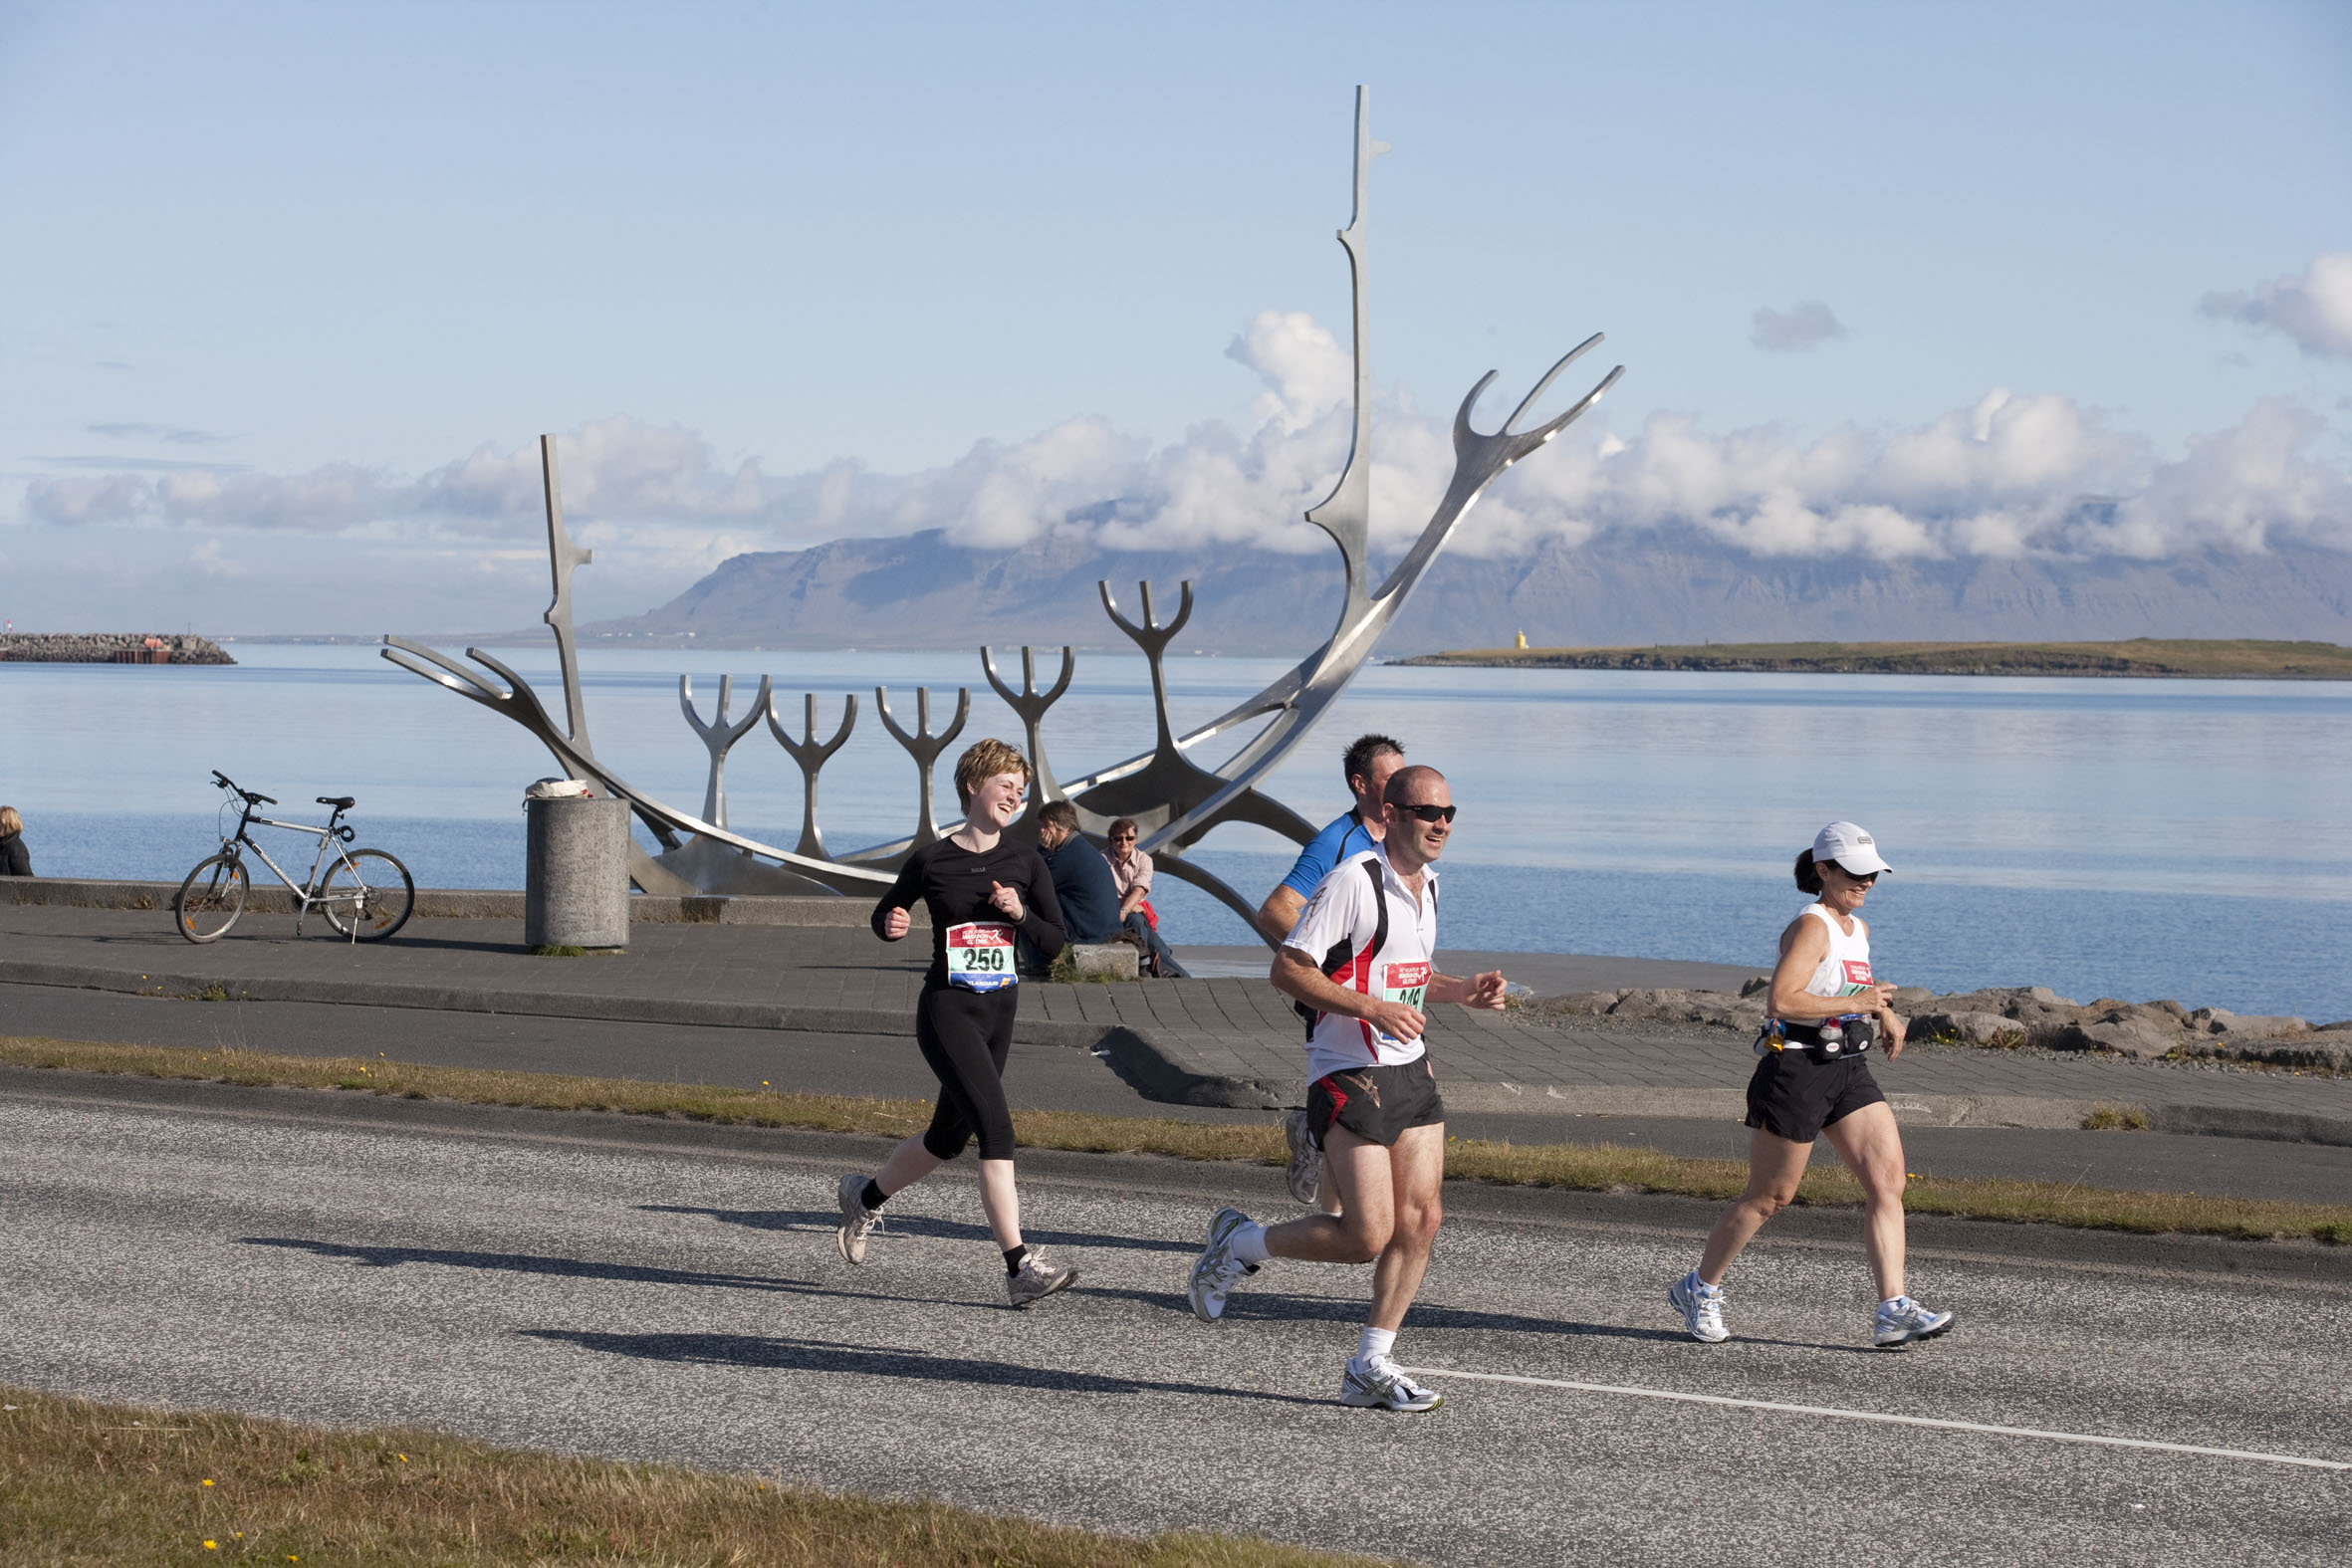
(1701, 1307)
(857, 1221)
(1305, 1173)
(1036, 1280)
(1902, 1320)
(1216, 1270)
(1381, 1385)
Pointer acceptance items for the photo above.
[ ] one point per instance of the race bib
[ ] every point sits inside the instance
(1857, 976)
(980, 956)
(1405, 982)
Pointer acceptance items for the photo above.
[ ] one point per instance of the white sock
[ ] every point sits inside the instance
(1701, 1286)
(1377, 1343)
(1249, 1244)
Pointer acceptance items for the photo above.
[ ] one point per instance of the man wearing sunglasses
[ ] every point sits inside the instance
(1362, 957)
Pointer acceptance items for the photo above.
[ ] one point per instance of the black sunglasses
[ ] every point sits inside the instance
(1430, 814)
(1851, 877)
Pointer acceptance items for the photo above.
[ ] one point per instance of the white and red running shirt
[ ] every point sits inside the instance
(1343, 910)
(1845, 968)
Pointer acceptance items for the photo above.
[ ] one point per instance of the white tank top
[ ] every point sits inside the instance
(1846, 968)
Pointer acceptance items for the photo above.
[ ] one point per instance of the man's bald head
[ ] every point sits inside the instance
(1406, 784)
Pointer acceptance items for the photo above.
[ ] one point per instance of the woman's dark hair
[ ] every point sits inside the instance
(1808, 876)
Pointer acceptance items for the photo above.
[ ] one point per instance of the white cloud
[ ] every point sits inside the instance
(2010, 475)
(2314, 309)
(1806, 325)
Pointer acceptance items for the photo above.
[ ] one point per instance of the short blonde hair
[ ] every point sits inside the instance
(10, 822)
(983, 760)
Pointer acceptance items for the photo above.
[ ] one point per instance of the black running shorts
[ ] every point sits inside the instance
(1793, 1096)
(1376, 1103)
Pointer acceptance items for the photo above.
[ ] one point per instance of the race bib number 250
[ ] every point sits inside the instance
(980, 956)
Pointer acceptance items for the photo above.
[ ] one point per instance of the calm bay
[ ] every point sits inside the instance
(2134, 838)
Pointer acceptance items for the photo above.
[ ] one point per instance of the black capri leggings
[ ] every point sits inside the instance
(965, 1036)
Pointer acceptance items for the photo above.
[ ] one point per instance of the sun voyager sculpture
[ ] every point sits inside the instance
(1175, 801)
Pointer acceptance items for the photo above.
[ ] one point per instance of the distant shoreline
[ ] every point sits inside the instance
(2140, 659)
(109, 647)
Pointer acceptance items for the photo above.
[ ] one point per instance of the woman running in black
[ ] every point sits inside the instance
(981, 890)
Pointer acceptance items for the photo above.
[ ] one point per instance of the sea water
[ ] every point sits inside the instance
(2131, 838)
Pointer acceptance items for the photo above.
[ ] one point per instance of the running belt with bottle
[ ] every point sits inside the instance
(1845, 971)
(1365, 931)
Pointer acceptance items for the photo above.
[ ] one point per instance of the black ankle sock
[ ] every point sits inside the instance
(1014, 1256)
(874, 1196)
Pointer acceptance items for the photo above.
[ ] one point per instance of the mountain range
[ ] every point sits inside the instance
(919, 590)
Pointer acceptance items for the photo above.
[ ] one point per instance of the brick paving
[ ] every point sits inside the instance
(1213, 1042)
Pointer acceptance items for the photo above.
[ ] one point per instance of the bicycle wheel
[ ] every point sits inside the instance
(211, 899)
(366, 894)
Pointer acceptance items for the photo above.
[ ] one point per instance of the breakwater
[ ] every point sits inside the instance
(109, 647)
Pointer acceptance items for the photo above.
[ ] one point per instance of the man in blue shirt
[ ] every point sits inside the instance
(1367, 766)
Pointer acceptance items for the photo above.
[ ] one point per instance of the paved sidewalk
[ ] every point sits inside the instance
(1228, 1041)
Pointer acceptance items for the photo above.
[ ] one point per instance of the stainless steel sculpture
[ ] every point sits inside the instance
(1175, 801)
(811, 754)
(924, 748)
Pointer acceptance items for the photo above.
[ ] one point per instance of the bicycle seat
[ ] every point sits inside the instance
(341, 802)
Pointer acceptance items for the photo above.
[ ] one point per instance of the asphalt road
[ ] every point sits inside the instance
(1053, 1079)
(639, 1291)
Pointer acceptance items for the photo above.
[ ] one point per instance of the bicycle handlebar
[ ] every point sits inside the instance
(222, 780)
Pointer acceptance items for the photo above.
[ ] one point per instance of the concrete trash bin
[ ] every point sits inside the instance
(576, 877)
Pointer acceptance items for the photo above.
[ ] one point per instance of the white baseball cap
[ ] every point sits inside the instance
(1850, 847)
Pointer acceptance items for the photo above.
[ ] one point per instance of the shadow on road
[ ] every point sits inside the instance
(918, 1224)
(566, 1267)
(1263, 1308)
(815, 1355)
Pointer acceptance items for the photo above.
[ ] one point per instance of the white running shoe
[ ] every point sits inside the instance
(1036, 1280)
(1902, 1320)
(857, 1221)
(1380, 1386)
(1701, 1307)
(1216, 1272)
(1305, 1173)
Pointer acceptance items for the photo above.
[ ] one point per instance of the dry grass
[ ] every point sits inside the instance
(1584, 1167)
(2117, 1118)
(86, 1483)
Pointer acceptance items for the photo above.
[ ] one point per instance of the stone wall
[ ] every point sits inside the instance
(109, 647)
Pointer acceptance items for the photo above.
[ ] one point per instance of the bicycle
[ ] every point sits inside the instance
(364, 894)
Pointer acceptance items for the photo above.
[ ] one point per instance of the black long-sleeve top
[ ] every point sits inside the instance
(14, 861)
(954, 885)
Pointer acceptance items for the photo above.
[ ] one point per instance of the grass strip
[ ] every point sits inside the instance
(83, 1484)
(1578, 1166)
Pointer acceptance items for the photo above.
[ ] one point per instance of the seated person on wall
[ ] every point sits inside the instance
(1082, 883)
(14, 861)
(1130, 868)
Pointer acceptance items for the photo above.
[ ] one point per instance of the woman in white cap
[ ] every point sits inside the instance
(1826, 1012)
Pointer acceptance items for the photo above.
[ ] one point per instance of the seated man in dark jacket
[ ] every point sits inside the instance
(1083, 882)
(1082, 877)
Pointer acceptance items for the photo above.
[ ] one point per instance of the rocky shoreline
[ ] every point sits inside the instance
(109, 647)
(2001, 1018)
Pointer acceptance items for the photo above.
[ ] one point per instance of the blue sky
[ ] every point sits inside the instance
(288, 290)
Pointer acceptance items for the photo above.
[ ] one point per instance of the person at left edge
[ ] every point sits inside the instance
(982, 891)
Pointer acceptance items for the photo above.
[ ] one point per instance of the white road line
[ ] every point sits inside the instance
(1872, 1415)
